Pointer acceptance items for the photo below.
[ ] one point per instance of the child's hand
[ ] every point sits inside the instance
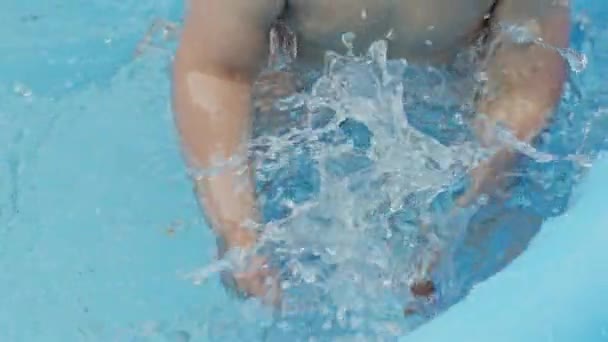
(259, 280)
(254, 278)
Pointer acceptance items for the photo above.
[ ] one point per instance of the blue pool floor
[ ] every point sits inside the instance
(89, 248)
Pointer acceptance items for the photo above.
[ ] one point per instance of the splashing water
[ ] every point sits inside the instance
(348, 194)
(344, 193)
(523, 34)
(340, 240)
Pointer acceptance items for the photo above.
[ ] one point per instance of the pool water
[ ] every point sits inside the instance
(99, 228)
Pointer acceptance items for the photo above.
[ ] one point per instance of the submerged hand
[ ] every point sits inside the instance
(255, 277)
(259, 280)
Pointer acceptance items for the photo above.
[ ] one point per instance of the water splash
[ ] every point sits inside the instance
(348, 189)
(345, 254)
(527, 34)
(577, 61)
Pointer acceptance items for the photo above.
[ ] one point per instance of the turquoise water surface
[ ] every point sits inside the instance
(98, 222)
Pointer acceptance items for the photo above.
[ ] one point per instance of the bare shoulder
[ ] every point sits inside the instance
(531, 8)
(258, 10)
(228, 31)
(547, 18)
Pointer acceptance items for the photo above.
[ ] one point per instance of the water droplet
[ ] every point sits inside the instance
(309, 276)
(348, 39)
(22, 90)
(576, 61)
(482, 76)
(520, 34)
(483, 200)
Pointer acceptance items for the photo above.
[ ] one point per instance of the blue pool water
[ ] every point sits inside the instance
(98, 223)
